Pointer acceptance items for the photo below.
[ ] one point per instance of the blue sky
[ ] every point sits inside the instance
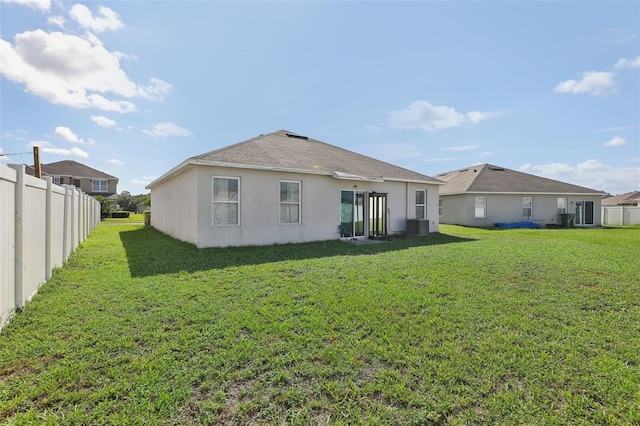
(133, 88)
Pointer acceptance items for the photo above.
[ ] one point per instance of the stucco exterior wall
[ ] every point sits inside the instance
(174, 206)
(260, 207)
(460, 209)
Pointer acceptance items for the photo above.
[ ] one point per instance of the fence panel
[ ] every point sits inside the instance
(7, 242)
(620, 215)
(33, 234)
(40, 224)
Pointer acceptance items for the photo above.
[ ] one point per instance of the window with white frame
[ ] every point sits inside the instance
(56, 180)
(99, 185)
(226, 201)
(562, 205)
(289, 201)
(481, 207)
(527, 207)
(421, 203)
(439, 206)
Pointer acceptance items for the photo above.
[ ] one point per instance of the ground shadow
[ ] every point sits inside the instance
(150, 252)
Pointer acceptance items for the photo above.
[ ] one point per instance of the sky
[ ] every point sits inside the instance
(133, 88)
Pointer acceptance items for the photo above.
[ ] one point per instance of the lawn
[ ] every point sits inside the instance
(465, 327)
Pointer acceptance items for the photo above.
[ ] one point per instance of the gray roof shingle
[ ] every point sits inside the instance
(73, 168)
(489, 178)
(284, 150)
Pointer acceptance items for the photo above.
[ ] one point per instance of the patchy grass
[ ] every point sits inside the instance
(467, 327)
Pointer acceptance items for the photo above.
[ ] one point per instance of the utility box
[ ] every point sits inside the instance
(417, 227)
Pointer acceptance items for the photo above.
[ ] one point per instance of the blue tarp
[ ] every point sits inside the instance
(531, 225)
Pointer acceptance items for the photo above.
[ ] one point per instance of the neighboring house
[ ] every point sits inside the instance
(628, 199)
(484, 195)
(282, 187)
(85, 178)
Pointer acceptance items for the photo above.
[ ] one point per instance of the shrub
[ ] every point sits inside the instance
(120, 214)
(147, 217)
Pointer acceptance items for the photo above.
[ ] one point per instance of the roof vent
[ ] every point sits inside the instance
(463, 170)
(291, 135)
(497, 169)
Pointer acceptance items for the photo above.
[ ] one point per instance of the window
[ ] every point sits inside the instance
(421, 203)
(56, 180)
(289, 202)
(562, 205)
(439, 206)
(99, 185)
(481, 207)
(226, 201)
(527, 206)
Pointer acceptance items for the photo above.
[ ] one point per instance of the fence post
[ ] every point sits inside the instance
(65, 225)
(48, 228)
(19, 235)
(73, 211)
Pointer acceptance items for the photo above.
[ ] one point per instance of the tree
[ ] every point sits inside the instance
(127, 202)
(106, 205)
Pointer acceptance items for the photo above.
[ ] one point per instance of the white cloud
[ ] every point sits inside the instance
(74, 71)
(115, 162)
(591, 174)
(423, 115)
(592, 82)
(58, 21)
(144, 180)
(49, 148)
(627, 63)
(107, 19)
(162, 130)
(103, 121)
(42, 5)
(460, 148)
(616, 141)
(67, 135)
(2, 156)
(156, 89)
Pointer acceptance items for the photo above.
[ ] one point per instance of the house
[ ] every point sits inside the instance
(87, 179)
(283, 187)
(627, 199)
(485, 194)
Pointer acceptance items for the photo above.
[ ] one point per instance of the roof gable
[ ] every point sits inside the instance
(489, 178)
(75, 169)
(284, 150)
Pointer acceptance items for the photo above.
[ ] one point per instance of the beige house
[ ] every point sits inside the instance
(85, 178)
(484, 195)
(282, 187)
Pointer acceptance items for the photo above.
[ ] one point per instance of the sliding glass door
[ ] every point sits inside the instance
(352, 212)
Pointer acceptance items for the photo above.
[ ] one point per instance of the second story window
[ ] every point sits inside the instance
(99, 185)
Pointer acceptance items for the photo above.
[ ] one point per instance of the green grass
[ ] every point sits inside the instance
(466, 327)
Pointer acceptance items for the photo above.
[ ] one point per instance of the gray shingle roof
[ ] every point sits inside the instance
(73, 168)
(489, 178)
(284, 150)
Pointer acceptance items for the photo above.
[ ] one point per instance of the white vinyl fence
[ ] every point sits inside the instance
(40, 225)
(620, 215)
